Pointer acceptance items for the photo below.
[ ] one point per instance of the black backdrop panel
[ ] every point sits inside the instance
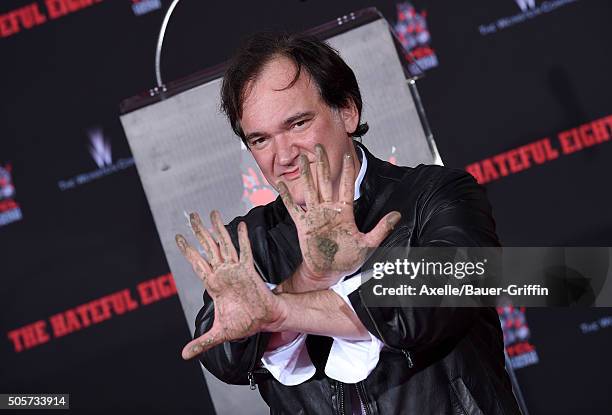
(85, 231)
(495, 92)
(63, 81)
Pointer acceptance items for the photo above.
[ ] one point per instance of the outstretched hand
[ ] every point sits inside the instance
(244, 305)
(332, 246)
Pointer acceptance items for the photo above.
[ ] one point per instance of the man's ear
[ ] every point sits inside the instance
(350, 116)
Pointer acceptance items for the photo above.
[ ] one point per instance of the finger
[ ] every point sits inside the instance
(201, 268)
(310, 194)
(244, 244)
(347, 180)
(294, 210)
(323, 175)
(384, 227)
(203, 343)
(206, 240)
(228, 251)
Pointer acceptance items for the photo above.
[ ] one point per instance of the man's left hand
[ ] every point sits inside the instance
(332, 245)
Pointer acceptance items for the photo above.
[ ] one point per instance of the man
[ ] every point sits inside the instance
(307, 338)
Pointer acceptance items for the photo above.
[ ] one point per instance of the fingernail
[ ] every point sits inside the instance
(303, 161)
(196, 349)
(181, 243)
(393, 219)
(347, 156)
(215, 217)
(194, 220)
(319, 150)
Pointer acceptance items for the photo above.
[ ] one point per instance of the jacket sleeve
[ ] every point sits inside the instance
(453, 211)
(231, 361)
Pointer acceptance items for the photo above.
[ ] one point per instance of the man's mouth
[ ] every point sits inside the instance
(292, 174)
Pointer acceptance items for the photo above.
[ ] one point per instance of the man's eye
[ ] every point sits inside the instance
(257, 142)
(300, 123)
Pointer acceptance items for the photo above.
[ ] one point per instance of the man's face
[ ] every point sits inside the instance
(280, 124)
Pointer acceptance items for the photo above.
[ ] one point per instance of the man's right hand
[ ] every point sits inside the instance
(244, 305)
(332, 246)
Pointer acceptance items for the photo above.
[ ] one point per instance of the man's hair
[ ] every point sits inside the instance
(334, 78)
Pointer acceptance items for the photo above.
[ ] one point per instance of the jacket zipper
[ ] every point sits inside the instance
(364, 409)
(341, 400)
(405, 352)
(252, 384)
(359, 388)
(408, 358)
(250, 376)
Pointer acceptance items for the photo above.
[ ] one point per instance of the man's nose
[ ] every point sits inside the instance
(286, 151)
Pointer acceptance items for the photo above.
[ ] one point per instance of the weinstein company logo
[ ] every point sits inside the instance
(101, 153)
(529, 9)
(525, 4)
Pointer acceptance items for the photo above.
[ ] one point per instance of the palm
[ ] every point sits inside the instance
(331, 243)
(243, 303)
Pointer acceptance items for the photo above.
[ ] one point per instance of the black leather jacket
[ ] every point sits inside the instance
(435, 360)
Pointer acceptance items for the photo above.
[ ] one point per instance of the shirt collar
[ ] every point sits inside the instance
(361, 175)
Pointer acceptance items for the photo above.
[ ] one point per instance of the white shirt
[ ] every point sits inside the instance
(349, 361)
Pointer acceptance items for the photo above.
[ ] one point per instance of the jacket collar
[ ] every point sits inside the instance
(374, 190)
